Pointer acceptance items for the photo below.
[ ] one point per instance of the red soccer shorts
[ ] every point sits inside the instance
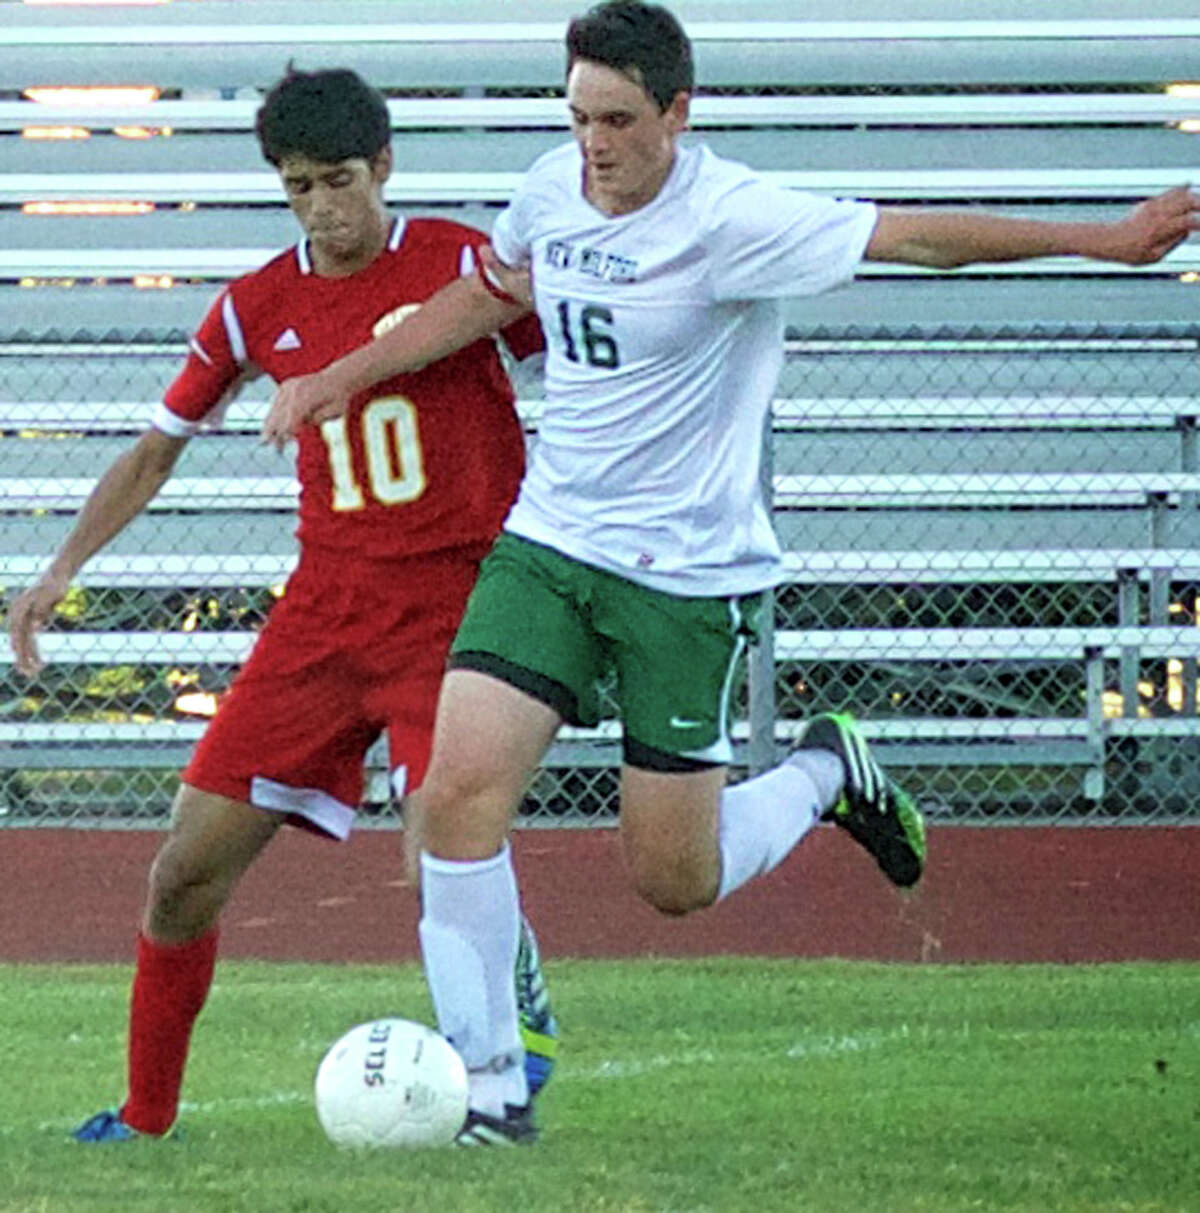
(355, 648)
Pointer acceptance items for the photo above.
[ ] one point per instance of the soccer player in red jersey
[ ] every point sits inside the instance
(399, 501)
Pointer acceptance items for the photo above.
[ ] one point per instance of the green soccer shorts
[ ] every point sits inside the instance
(553, 627)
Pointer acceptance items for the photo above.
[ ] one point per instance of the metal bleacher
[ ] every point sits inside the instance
(1031, 424)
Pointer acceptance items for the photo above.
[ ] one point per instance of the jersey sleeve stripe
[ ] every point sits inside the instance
(494, 288)
(233, 330)
(171, 423)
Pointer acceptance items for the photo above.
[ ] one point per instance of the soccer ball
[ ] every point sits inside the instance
(391, 1082)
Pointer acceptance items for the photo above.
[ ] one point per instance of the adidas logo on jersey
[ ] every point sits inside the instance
(287, 340)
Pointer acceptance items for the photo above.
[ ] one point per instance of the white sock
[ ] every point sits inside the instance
(825, 769)
(469, 929)
(762, 819)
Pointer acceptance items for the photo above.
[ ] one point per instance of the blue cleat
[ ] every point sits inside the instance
(105, 1126)
(539, 1028)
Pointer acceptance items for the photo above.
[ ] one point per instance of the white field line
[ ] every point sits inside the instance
(802, 1050)
(242, 1103)
(274, 1099)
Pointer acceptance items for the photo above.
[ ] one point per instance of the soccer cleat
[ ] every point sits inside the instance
(515, 1128)
(874, 810)
(105, 1126)
(539, 1029)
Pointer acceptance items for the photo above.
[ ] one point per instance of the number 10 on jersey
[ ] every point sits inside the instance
(392, 446)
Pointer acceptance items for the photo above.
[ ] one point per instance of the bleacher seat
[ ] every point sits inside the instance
(1027, 423)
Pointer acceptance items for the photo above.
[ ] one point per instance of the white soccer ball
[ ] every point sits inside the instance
(391, 1082)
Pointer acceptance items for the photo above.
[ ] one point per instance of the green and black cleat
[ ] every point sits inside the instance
(874, 810)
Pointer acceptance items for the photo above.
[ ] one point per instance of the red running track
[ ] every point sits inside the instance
(990, 894)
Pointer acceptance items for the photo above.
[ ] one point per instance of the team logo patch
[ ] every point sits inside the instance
(289, 339)
(595, 263)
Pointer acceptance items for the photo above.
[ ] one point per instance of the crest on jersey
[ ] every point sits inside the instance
(594, 262)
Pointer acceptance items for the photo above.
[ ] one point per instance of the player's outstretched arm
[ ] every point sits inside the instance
(946, 239)
(120, 496)
(461, 312)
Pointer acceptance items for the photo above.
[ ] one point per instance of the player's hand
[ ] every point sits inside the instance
(1154, 227)
(29, 613)
(297, 402)
(515, 282)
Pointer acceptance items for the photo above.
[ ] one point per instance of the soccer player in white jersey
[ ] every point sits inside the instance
(639, 542)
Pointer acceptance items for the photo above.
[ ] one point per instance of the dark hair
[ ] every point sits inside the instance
(329, 115)
(642, 41)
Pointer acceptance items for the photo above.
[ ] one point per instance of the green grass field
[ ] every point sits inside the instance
(726, 1085)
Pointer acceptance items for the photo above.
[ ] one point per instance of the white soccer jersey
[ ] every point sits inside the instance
(665, 341)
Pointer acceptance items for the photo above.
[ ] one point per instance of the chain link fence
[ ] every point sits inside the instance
(992, 560)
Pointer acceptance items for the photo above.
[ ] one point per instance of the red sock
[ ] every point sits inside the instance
(169, 988)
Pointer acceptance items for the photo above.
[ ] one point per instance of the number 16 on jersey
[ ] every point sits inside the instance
(586, 330)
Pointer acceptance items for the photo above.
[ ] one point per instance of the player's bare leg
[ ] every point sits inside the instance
(669, 836)
(487, 743)
(539, 1027)
(689, 840)
(470, 928)
(212, 841)
(411, 837)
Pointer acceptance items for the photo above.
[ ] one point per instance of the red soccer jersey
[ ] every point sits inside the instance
(420, 462)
